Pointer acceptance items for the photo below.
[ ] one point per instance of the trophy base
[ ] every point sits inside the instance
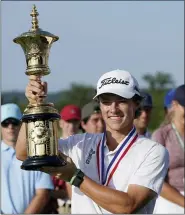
(34, 163)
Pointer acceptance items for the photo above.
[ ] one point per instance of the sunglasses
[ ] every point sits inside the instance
(7, 122)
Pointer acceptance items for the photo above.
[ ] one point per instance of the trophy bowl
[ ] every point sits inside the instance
(41, 118)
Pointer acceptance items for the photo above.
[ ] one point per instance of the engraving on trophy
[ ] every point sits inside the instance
(39, 137)
(32, 57)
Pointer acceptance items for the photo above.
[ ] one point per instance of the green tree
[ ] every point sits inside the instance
(150, 80)
(77, 94)
(159, 81)
(158, 84)
(163, 80)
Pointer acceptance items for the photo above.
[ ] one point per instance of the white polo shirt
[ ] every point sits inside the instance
(145, 164)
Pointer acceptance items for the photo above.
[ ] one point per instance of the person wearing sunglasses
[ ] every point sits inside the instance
(143, 115)
(21, 191)
(114, 171)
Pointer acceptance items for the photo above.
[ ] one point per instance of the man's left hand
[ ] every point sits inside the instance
(64, 172)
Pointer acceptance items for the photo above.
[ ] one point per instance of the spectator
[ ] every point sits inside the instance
(69, 124)
(70, 120)
(171, 136)
(21, 191)
(143, 115)
(168, 101)
(92, 121)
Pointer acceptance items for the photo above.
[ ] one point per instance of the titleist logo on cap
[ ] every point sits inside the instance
(113, 81)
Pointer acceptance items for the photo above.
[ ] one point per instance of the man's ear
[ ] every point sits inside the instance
(83, 125)
(137, 109)
(137, 113)
(174, 103)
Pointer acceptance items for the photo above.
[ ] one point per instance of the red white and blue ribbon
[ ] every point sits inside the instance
(127, 142)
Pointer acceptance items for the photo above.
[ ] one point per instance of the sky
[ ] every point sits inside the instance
(96, 37)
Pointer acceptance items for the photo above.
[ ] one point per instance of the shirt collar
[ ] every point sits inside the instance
(147, 134)
(5, 147)
(116, 149)
(118, 146)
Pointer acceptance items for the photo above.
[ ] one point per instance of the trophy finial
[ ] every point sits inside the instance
(35, 23)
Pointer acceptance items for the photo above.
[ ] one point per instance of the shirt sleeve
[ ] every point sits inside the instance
(65, 145)
(157, 136)
(153, 169)
(70, 145)
(44, 181)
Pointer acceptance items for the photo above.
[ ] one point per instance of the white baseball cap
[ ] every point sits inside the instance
(118, 82)
(10, 110)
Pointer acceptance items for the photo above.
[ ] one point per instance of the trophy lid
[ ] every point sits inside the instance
(35, 30)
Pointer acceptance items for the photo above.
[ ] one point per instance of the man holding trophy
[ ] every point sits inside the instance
(111, 172)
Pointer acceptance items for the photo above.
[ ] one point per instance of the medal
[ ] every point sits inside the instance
(127, 142)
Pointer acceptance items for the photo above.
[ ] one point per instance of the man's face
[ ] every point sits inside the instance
(143, 120)
(69, 127)
(118, 113)
(94, 124)
(10, 130)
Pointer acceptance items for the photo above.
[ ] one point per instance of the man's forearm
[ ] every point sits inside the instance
(37, 204)
(21, 151)
(170, 193)
(112, 200)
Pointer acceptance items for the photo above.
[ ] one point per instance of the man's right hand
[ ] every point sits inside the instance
(36, 89)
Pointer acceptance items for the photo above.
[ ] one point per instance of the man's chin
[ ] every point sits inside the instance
(13, 139)
(115, 127)
(143, 125)
(71, 133)
(12, 142)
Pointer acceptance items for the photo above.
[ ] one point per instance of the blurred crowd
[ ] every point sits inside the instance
(35, 192)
